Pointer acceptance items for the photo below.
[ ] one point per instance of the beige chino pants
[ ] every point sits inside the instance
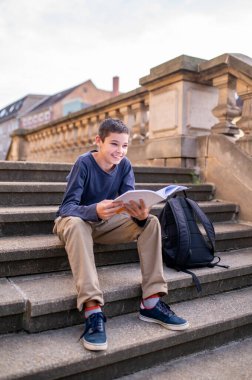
(79, 237)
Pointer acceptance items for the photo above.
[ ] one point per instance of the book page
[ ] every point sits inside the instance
(169, 190)
(149, 197)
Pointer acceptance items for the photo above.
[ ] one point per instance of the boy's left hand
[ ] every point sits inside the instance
(137, 210)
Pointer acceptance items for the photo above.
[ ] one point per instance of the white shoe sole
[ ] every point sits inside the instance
(166, 325)
(95, 347)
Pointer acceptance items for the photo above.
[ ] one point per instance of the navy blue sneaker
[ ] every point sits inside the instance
(94, 336)
(163, 315)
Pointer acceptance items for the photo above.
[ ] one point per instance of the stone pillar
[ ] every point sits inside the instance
(226, 109)
(245, 122)
(18, 149)
(172, 87)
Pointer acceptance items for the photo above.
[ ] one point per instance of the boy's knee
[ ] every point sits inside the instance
(153, 220)
(153, 223)
(74, 221)
(74, 225)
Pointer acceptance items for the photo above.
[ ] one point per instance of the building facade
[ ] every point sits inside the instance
(63, 103)
(9, 119)
(33, 111)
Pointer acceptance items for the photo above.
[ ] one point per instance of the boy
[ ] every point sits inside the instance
(88, 214)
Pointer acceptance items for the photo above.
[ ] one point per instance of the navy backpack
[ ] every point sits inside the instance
(183, 245)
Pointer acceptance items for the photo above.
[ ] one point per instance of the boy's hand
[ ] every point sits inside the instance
(108, 208)
(137, 210)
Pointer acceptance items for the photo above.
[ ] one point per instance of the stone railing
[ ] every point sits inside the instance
(70, 136)
(231, 74)
(179, 100)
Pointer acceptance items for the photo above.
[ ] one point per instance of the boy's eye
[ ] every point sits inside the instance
(124, 146)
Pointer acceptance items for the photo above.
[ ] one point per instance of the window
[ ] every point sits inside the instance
(73, 106)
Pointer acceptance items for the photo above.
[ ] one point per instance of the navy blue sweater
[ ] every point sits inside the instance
(88, 185)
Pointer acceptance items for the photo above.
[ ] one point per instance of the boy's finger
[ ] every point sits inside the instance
(142, 204)
(114, 205)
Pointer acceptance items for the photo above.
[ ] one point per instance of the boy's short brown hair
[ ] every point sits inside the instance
(112, 126)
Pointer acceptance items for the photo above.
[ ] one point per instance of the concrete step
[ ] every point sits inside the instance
(30, 220)
(45, 253)
(217, 363)
(49, 193)
(50, 299)
(31, 193)
(163, 175)
(197, 192)
(25, 171)
(133, 344)
(216, 210)
(57, 172)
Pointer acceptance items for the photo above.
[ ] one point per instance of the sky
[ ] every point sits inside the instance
(47, 46)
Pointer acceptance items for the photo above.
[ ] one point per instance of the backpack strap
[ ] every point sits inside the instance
(216, 264)
(184, 237)
(206, 223)
(195, 279)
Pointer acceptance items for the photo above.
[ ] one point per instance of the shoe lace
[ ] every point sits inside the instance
(94, 323)
(165, 308)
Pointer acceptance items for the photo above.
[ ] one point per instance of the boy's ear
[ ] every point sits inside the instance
(98, 140)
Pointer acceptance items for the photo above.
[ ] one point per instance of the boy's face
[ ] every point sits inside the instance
(113, 148)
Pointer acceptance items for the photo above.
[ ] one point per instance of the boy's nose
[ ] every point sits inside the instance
(119, 149)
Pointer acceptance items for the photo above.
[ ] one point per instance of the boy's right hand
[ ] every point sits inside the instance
(108, 208)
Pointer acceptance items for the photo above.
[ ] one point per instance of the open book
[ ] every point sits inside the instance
(150, 197)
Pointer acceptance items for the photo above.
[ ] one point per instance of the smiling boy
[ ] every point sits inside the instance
(88, 214)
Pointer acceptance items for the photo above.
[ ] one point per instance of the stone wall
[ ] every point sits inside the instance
(179, 101)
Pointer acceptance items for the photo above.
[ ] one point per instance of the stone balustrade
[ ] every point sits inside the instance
(179, 101)
(64, 139)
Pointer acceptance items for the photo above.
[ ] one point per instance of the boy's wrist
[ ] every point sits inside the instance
(140, 223)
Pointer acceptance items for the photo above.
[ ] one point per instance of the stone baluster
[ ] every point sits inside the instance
(226, 110)
(30, 139)
(41, 142)
(54, 139)
(128, 117)
(245, 122)
(34, 145)
(48, 140)
(48, 148)
(70, 135)
(115, 114)
(92, 130)
(145, 118)
(38, 142)
(139, 130)
(60, 143)
(82, 134)
(136, 136)
(64, 136)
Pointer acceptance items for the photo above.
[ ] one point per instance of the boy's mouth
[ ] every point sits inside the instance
(117, 157)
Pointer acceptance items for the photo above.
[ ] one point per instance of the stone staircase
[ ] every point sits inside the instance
(39, 323)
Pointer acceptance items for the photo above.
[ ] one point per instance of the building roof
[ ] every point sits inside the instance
(50, 100)
(12, 110)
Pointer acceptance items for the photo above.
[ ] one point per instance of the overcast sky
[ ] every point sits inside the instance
(50, 45)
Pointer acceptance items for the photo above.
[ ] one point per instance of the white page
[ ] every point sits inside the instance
(168, 190)
(150, 197)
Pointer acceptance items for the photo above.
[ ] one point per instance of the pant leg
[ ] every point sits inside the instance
(76, 234)
(121, 229)
(149, 246)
